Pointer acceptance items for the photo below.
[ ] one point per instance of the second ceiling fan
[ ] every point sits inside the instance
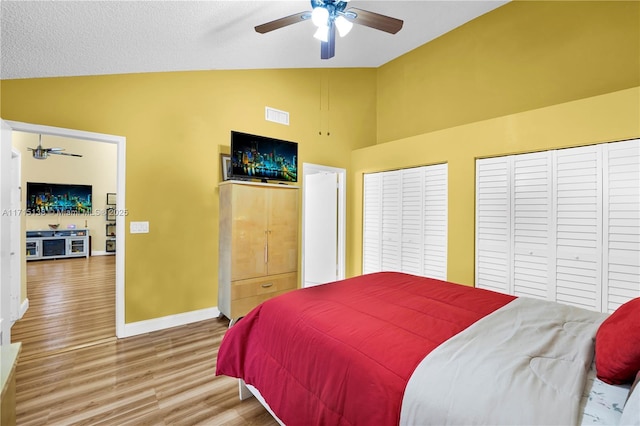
(329, 15)
(40, 153)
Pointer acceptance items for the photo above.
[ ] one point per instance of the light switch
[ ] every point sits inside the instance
(139, 227)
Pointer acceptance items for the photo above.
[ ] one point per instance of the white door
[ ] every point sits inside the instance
(411, 212)
(532, 226)
(405, 221)
(571, 221)
(435, 218)
(578, 206)
(321, 228)
(493, 224)
(324, 216)
(621, 251)
(391, 221)
(372, 223)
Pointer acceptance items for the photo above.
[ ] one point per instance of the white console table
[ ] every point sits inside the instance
(57, 244)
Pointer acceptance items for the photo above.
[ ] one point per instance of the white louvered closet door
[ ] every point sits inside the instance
(435, 219)
(391, 216)
(621, 260)
(372, 223)
(411, 220)
(493, 225)
(532, 229)
(583, 211)
(578, 195)
(405, 221)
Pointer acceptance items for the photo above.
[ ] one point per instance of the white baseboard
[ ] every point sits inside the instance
(102, 253)
(23, 308)
(156, 324)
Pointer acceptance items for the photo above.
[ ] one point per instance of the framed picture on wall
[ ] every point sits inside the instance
(111, 214)
(225, 165)
(111, 198)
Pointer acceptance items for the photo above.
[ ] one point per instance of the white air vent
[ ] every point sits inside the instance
(277, 116)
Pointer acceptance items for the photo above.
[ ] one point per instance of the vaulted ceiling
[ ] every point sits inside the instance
(73, 38)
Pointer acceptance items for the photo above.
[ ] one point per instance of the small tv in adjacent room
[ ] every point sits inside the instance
(58, 198)
(264, 158)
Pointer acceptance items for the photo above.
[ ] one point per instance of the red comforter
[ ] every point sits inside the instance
(342, 353)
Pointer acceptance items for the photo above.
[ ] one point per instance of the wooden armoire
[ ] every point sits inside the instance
(258, 244)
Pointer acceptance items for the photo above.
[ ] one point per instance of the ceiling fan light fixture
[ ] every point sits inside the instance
(331, 16)
(39, 154)
(322, 33)
(343, 25)
(320, 17)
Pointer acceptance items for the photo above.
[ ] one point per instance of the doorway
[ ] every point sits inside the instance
(120, 142)
(323, 224)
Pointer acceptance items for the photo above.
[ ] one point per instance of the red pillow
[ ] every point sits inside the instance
(618, 345)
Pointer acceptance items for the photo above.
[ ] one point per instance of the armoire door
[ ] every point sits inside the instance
(249, 230)
(282, 231)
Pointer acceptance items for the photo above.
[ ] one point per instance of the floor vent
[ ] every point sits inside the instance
(277, 116)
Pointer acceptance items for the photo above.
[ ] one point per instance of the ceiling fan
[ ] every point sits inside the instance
(328, 15)
(41, 153)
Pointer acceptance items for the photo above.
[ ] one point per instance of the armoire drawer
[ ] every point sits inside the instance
(241, 307)
(263, 285)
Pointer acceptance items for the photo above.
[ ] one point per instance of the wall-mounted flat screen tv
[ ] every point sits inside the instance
(264, 158)
(58, 198)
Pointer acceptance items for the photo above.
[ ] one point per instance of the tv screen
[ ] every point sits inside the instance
(264, 158)
(58, 198)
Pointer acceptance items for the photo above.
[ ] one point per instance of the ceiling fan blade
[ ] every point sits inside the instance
(375, 20)
(283, 22)
(328, 48)
(64, 153)
(54, 149)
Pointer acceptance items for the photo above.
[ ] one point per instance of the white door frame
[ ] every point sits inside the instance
(15, 273)
(5, 234)
(309, 169)
(120, 142)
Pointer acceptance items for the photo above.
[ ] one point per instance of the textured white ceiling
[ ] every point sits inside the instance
(72, 38)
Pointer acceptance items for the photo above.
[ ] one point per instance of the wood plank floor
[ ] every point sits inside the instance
(73, 371)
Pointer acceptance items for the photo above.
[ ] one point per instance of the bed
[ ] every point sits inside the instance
(392, 348)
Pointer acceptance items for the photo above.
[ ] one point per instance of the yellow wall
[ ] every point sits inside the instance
(605, 118)
(176, 125)
(528, 76)
(522, 56)
(524, 77)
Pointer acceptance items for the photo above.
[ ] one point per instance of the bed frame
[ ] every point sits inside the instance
(247, 391)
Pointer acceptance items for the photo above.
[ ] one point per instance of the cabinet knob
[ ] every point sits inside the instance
(266, 285)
